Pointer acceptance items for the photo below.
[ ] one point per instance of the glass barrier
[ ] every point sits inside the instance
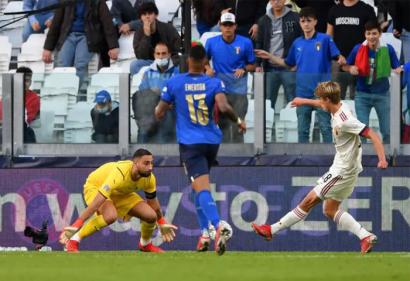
(286, 124)
(145, 91)
(60, 110)
(1, 114)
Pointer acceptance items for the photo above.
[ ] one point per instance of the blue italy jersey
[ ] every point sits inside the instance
(313, 59)
(379, 86)
(227, 57)
(194, 97)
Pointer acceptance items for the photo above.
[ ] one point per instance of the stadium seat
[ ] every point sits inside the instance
(286, 129)
(34, 45)
(3, 4)
(13, 31)
(269, 121)
(31, 56)
(108, 78)
(93, 64)
(59, 94)
(5, 55)
(44, 127)
(62, 70)
(78, 124)
(249, 136)
(126, 55)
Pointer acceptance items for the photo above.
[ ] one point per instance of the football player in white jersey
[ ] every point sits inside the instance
(338, 183)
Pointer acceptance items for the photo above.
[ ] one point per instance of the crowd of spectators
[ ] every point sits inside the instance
(297, 43)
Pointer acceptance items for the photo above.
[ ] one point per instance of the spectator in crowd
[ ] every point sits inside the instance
(149, 34)
(321, 8)
(232, 57)
(399, 10)
(348, 18)
(105, 117)
(77, 32)
(39, 22)
(125, 14)
(372, 61)
(207, 15)
(32, 106)
(148, 96)
(247, 14)
(276, 32)
(311, 54)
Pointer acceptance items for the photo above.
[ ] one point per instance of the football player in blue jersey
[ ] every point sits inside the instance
(194, 95)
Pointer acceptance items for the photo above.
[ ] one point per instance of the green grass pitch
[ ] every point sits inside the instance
(192, 266)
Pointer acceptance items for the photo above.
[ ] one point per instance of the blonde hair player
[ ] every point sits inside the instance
(338, 183)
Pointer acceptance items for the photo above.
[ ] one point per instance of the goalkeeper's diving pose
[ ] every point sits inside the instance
(109, 192)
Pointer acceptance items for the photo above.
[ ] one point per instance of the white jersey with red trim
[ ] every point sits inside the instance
(346, 134)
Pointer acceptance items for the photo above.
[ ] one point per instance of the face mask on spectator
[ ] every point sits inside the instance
(103, 110)
(162, 62)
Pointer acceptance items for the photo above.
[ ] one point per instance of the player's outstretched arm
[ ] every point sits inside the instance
(226, 109)
(69, 231)
(167, 230)
(378, 147)
(301, 101)
(268, 56)
(161, 109)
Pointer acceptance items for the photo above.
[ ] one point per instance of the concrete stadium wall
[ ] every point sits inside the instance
(381, 202)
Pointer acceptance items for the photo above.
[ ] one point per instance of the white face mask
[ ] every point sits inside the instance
(103, 110)
(162, 62)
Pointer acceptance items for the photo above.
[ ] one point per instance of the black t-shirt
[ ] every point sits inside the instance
(348, 24)
(321, 7)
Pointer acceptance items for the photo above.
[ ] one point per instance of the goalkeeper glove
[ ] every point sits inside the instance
(166, 229)
(69, 231)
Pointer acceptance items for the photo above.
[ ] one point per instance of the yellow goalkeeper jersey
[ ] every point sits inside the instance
(114, 179)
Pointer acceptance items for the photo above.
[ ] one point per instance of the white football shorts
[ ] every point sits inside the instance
(334, 186)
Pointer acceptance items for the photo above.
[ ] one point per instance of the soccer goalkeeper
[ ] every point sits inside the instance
(109, 192)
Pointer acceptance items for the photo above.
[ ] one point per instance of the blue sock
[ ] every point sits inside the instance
(208, 206)
(202, 219)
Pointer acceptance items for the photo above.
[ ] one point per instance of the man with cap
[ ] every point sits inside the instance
(105, 118)
(232, 57)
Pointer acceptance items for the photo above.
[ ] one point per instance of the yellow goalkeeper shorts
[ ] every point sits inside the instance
(122, 203)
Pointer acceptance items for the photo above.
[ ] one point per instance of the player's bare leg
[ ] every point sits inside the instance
(296, 215)
(106, 215)
(148, 219)
(331, 208)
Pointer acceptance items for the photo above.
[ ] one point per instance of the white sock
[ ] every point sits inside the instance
(205, 233)
(294, 216)
(76, 237)
(346, 221)
(145, 242)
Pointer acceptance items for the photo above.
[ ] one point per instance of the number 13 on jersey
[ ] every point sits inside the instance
(201, 113)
